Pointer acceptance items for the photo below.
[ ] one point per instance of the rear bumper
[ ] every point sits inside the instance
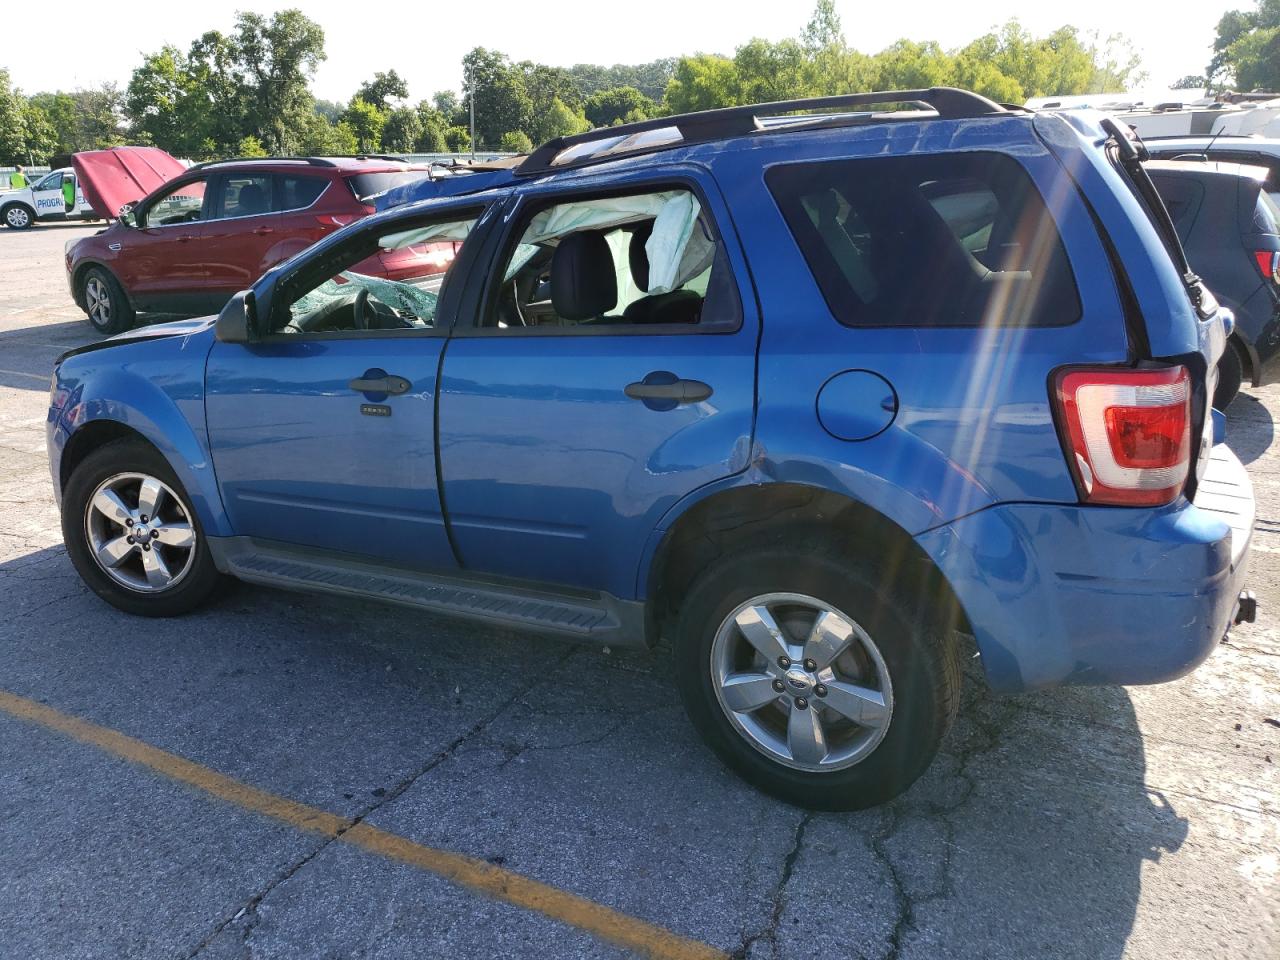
(1072, 594)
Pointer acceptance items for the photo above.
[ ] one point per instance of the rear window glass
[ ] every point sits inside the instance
(295, 193)
(1182, 198)
(367, 185)
(949, 240)
(1266, 214)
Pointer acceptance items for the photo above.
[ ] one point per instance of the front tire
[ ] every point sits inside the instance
(815, 680)
(17, 216)
(105, 302)
(132, 535)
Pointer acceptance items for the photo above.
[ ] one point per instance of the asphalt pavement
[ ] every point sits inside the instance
(286, 776)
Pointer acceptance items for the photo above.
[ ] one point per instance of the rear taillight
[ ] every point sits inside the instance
(1129, 433)
(1268, 262)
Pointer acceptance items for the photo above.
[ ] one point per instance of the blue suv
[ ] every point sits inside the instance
(808, 389)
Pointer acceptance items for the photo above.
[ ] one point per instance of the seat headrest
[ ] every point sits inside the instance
(583, 284)
(252, 199)
(638, 256)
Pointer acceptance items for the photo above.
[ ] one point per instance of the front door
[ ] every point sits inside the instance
(610, 374)
(47, 194)
(161, 266)
(323, 431)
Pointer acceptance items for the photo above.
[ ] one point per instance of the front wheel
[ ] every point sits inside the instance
(132, 535)
(16, 216)
(1230, 376)
(105, 302)
(815, 680)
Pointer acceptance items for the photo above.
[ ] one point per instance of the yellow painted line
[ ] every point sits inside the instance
(476, 875)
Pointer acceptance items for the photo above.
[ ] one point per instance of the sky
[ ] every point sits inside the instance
(425, 42)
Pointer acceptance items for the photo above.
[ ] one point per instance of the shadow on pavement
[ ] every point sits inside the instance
(1250, 429)
(1028, 836)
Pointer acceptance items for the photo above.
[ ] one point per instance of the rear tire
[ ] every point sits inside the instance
(898, 672)
(126, 489)
(1230, 376)
(105, 302)
(17, 216)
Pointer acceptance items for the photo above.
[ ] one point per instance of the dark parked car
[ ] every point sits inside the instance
(191, 243)
(1230, 228)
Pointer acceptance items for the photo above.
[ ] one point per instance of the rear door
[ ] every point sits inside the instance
(569, 426)
(242, 229)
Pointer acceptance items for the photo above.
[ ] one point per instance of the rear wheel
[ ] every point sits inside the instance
(17, 216)
(132, 535)
(105, 302)
(1230, 376)
(813, 679)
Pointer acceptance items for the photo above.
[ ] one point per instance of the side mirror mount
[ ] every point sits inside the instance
(238, 321)
(128, 215)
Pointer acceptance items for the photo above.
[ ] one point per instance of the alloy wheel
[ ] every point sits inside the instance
(140, 532)
(98, 302)
(801, 681)
(17, 217)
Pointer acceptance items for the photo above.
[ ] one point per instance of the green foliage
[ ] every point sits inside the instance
(13, 127)
(432, 123)
(1246, 49)
(250, 146)
(402, 131)
(516, 141)
(331, 110)
(651, 78)
(497, 89)
(318, 137)
(702, 82)
(382, 89)
(618, 105)
(1192, 81)
(457, 139)
(366, 122)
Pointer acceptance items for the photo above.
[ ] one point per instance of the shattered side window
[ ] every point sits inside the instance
(397, 286)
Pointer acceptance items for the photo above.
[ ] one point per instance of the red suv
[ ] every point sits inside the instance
(211, 231)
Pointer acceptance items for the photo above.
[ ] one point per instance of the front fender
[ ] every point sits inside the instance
(155, 388)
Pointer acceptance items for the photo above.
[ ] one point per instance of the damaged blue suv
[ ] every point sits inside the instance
(811, 390)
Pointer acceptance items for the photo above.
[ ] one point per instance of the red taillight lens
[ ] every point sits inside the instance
(1129, 433)
(1268, 262)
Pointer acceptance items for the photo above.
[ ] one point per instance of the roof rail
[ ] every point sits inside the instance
(313, 161)
(949, 103)
(367, 156)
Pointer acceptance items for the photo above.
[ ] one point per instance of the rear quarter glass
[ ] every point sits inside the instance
(364, 186)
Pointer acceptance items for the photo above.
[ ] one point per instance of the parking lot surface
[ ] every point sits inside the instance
(291, 776)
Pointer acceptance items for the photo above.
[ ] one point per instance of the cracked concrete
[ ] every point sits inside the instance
(1080, 823)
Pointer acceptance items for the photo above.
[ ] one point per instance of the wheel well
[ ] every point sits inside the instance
(785, 514)
(18, 203)
(90, 437)
(77, 279)
(1246, 356)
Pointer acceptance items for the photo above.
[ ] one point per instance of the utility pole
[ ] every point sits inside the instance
(472, 99)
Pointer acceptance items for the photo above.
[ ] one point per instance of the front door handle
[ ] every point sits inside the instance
(664, 386)
(390, 384)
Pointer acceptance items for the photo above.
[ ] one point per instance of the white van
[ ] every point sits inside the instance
(45, 201)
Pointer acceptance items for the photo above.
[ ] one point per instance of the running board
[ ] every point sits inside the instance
(582, 616)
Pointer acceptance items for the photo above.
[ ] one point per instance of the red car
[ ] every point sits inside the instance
(202, 234)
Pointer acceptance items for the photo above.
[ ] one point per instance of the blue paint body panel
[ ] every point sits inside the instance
(527, 460)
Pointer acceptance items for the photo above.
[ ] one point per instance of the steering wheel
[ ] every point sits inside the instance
(360, 308)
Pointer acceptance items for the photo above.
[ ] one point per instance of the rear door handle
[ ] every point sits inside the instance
(681, 391)
(389, 384)
(262, 231)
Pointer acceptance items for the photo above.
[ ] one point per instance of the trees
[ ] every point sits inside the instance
(701, 82)
(1246, 48)
(278, 57)
(382, 89)
(366, 122)
(516, 141)
(618, 105)
(501, 103)
(402, 130)
(13, 126)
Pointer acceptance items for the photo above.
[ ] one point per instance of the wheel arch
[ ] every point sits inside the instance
(782, 513)
(77, 279)
(139, 410)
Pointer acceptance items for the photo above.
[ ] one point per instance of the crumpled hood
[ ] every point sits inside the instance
(111, 178)
(174, 328)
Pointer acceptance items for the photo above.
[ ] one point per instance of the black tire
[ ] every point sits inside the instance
(191, 589)
(915, 644)
(17, 216)
(1230, 376)
(105, 303)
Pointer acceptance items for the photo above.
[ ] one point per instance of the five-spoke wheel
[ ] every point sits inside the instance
(801, 681)
(140, 532)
